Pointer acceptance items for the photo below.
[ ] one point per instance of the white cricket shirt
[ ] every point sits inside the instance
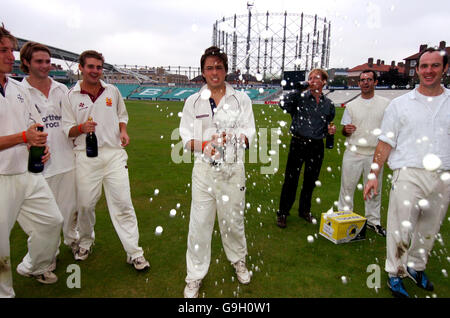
(415, 129)
(200, 122)
(17, 113)
(60, 147)
(107, 111)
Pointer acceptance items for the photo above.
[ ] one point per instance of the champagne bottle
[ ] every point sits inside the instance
(301, 86)
(35, 164)
(91, 143)
(330, 139)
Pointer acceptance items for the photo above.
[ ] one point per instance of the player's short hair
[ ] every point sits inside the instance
(375, 76)
(323, 73)
(431, 50)
(26, 54)
(90, 54)
(214, 51)
(7, 35)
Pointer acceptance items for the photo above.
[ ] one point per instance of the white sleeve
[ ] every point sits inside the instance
(247, 120)
(68, 116)
(346, 118)
(121, 108)
(187, 120)
(389, 126)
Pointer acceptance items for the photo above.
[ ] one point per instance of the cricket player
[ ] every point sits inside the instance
(23, 194)
(361, 120)
(91, 97)
(217, 124)
(59, 172)
(415, 140)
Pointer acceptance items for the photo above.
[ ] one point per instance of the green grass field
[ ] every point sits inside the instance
(283, 262)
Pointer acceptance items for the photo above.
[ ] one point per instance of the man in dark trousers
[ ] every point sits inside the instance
(311, 114)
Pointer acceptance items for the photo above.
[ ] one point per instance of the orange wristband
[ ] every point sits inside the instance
(24, 136)
(79, 128)
(204, 144)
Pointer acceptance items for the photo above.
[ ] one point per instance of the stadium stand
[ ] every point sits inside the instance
(126, 89)
(134, 91)
(149, 92)
(179, 93)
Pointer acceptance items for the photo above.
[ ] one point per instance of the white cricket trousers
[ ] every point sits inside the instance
(65, 193)
(63, 189)
(28, 198)
(418, 203)
(110, 170)
(353, 165)
(222, 191)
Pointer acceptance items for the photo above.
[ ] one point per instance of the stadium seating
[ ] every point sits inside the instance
(134, 91)
(179, 93)
(126, 89)
(149, 92)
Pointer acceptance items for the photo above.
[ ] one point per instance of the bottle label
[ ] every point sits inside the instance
(91, 152)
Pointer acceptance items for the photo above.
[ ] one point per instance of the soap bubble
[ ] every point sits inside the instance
(173, 212)
(156, 191)
(225, 198)
(310, 239)
(344, 280)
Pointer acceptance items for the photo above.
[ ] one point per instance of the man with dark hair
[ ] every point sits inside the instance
(311, 114)
(415, 140)
(218, 125)
(361, 125)
(47, 96)
(93, 98)
(24, 195)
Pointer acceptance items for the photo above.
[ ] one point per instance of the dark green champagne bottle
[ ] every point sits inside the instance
(91, 143)
(35, 164)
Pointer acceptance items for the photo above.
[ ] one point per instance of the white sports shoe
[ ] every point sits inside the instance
(45, 278)
(82, 254)
(140, 263)
(242, 272)
(192, 288)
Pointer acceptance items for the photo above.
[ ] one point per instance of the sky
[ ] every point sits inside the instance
(176, 32)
